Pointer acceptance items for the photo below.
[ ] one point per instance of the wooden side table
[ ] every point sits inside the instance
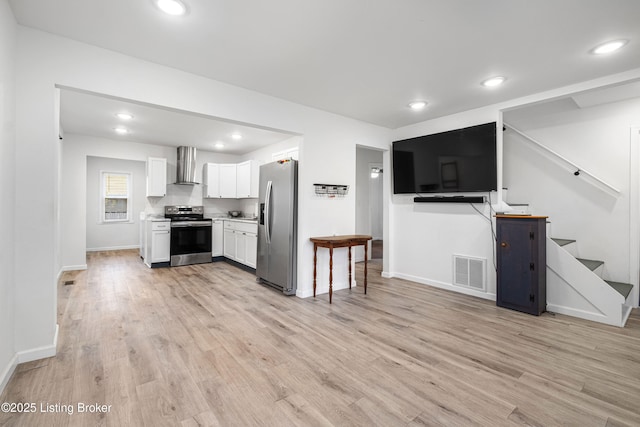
(331, 242)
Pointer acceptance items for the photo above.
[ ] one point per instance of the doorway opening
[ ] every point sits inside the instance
(369, 202)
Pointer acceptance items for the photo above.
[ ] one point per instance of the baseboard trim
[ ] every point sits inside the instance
(72, 268)
(113, 248)
(446, 286)
(581, 314)
(28, 356)
(8, 372)
(39, 352)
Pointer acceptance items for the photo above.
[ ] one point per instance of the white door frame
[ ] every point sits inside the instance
(634, 214)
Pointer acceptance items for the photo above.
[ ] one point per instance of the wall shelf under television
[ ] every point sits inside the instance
(449, 199)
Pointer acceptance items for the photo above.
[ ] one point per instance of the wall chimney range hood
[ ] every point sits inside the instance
(186, 166)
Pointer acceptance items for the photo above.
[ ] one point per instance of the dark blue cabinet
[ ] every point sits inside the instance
(522, 263)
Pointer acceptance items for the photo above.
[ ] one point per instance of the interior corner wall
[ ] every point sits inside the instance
(46, 61)
(8, 30)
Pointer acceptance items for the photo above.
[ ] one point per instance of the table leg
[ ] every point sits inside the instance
(366, 249)
(349, 267)
(315, 260)
(330, 273)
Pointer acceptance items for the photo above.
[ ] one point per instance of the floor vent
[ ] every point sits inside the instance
(469, 272)
(69, 282)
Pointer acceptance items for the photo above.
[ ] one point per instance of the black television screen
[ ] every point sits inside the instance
(461, 160)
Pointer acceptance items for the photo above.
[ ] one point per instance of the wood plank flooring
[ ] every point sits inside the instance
(205, 345)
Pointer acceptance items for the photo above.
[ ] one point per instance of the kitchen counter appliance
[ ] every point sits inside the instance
(277, 225)
(190, 235)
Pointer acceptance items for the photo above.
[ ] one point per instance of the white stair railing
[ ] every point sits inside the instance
(569, 165)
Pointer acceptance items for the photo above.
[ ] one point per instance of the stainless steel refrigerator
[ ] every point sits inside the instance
(277, 225)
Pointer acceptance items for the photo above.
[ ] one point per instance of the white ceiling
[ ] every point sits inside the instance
(90, 114)
(361, 58)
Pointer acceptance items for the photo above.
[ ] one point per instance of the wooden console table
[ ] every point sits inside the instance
(332, 242)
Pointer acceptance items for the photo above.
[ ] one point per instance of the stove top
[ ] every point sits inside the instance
(184, 213)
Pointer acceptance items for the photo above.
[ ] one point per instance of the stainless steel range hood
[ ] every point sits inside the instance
(186, 166)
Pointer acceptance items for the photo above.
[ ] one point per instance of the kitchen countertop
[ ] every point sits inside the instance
(156, 218)
(249, 220)
(228, 218)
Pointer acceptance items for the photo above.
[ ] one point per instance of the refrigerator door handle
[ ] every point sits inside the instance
(267, 212)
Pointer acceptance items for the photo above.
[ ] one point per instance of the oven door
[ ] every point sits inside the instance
(190, 242)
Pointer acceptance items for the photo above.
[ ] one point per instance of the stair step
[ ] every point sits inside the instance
(591, 264)
(623, 289)
(563, 242)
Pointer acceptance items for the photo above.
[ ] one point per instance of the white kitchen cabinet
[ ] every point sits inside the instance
(217, 245)
(230, 244)
(247, 179)
(219, 180)
(158, 245)
(142, 229)
(211, 180)
(156, 177)
(228, 180)
(251, 249)
(241, 242)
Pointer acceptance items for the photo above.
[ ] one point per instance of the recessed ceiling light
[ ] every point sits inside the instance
(121, 131)
(219, 145)
(124, 116)
(417, 105)
(608, 47)
(171, 7)
(494, 81)
(236, 136)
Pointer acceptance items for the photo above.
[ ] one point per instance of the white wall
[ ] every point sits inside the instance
(7, 190)
(426, 236)
(45, 61)
(595, 138)
(115, 235)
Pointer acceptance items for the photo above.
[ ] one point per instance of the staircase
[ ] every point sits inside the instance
(575, 286)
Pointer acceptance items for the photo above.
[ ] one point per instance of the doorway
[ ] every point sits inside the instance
(369, 201)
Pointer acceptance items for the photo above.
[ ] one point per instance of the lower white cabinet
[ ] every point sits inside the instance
(217, 238)
(241, 242)
(158, 245)
(230, 244)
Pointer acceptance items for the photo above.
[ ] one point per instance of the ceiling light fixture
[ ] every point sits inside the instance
(236, 136)
(124, 116)
(609, 47)
(171, 7)
(121, 131)
(219, 145)
(417, 105)
(494, 81)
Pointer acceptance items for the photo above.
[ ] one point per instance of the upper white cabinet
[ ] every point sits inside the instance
(230, 180)
(247, 180)
(211, 180)
(156, 177)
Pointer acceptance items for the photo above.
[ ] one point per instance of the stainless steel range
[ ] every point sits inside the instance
(190, 235)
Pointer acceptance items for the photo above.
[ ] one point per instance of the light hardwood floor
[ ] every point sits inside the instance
(205, 345)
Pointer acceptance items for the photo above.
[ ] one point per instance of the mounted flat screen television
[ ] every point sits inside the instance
(461, 160)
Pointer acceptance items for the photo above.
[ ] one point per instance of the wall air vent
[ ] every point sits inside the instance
(470, 272)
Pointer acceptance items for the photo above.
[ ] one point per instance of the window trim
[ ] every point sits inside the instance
(129, 197)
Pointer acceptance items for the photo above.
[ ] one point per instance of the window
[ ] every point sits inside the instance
(116, 195)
